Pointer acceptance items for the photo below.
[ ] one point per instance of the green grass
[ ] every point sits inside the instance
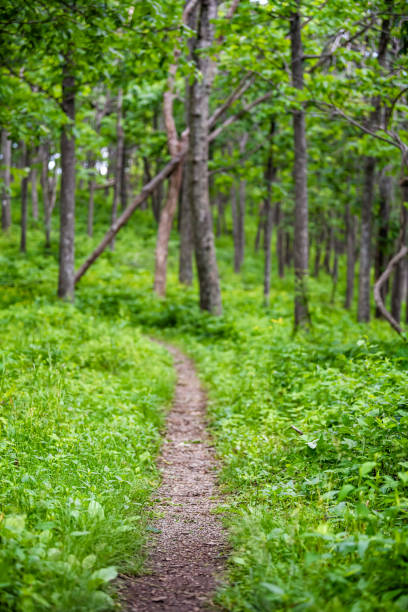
(82, 401)
(317, 521)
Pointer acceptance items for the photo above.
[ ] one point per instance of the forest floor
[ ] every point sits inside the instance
(188, 544)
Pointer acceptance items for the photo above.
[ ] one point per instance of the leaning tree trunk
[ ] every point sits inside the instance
(365, 241)
(119, 160)
(5, 196)
(24, 198)
(66, 277)
(301, 235)
(210, 293)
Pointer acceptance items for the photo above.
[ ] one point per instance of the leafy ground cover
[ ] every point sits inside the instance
(82, 402)
(318, 520)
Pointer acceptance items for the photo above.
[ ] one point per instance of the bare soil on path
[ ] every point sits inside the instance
(189, 547)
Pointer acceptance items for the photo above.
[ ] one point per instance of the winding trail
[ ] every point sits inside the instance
(189, 548)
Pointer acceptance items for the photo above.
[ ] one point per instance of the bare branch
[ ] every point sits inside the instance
(238, 115)
(239, 91)
(380, 282)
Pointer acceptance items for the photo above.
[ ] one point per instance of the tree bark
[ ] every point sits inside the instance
(365, 241)
(301, 235)
(270, 176)
(34, 189)
(66, 282)
(186, 223)
(24, 198)
(45, 156)
(119, 160)
(399, 274)
(210, 293)
(280, 240)
(5, 196)
(381, 256)
(351, 256)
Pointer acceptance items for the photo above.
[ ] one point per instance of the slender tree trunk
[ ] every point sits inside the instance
(124, 178)
(280, 254)
(318, 255)
(67, 206)
(365, 241)
(34, 189)
(368, 195)
(270, 176)
(351, 255)
(381, 256)
(24, 198)
(301, 236)
(45, 156)
(329, 245)
(399, 273)
(119, 160)
(210, 293)
(260, 228)
(91, 201)
(5, 196)
(164, 230)
(186, 223)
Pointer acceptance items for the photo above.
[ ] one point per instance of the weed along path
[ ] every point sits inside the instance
(188, 547)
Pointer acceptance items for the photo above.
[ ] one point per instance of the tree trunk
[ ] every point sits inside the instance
(365, 241)
(164, 230)
(351, 255)
(24, 198)
(270, 176)
(210, 293)
(45, 156)
(119, 160)
(399, 273)
(34, 190)
(67, 206)
(301, 236)
(280, 240)
(124, 178)
(5, 196)
(381, 256)
(91, 201)
(260, 227)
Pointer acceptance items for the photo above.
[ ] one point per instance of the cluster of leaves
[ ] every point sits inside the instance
(79, 431)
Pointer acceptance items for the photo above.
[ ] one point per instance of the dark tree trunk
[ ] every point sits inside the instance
(34, 189)
(45, 156)
(351, 256)
(381, 256)
(24, 198)
(368, 195)
(67, 207)
(124, 178)
(186, 227)
(318, 255)
(119, 160)
(270, 176)
(210, 293)
(91, 201)
(239, 216)
(329, 246)
(301, 235)
(260, 228)
(288, 250)
(365, 241)
(5, 196)
(399, 273)
(280, 240)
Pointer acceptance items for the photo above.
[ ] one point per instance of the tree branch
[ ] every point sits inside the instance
(380, 282)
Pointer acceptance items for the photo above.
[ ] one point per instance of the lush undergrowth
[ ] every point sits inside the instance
(82, 402)
(318, 519)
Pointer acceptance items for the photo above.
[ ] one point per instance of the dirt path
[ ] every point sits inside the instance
(188, 550)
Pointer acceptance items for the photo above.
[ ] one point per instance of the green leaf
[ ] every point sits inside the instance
(365, 468)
